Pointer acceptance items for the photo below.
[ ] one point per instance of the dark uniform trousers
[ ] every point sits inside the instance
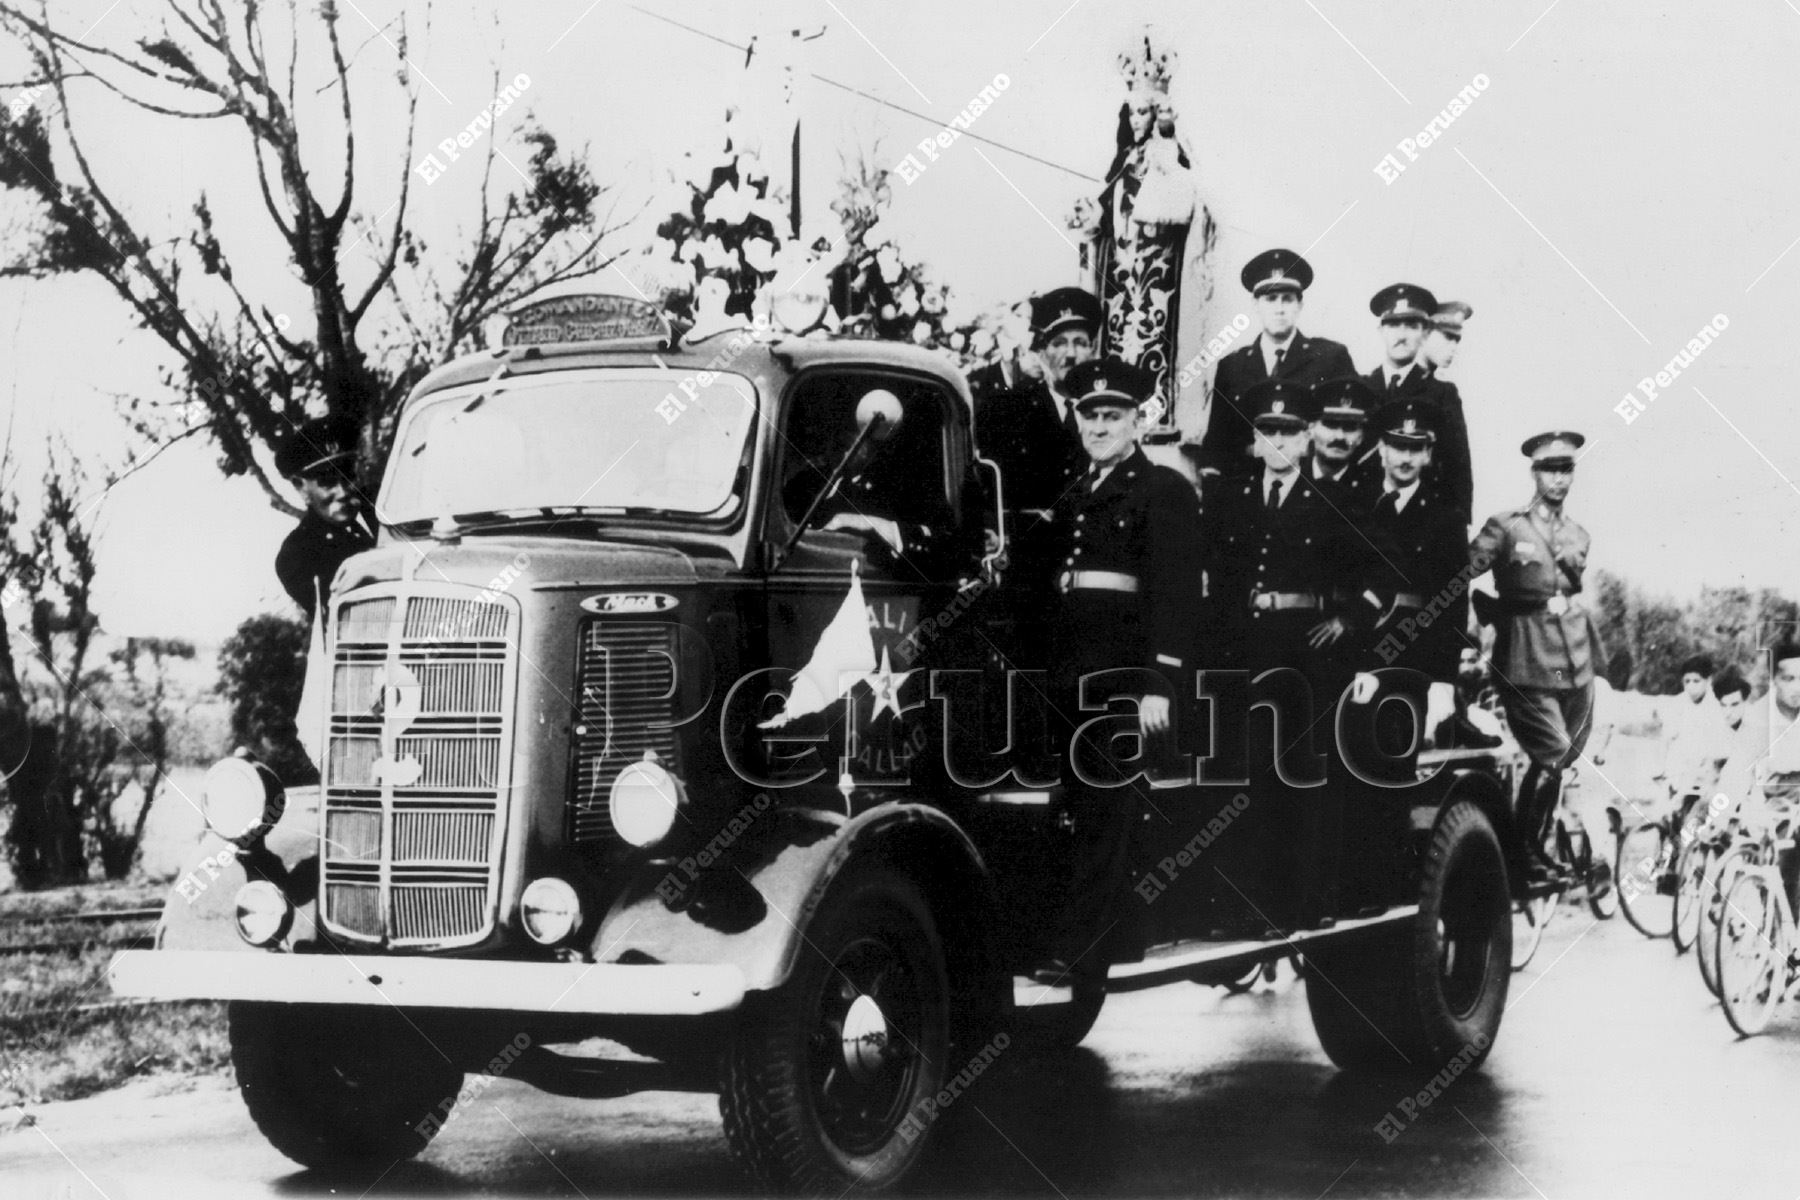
(1415, 590)
(1451, 471)
(1274, 575)
(1127, 589)
(311, 554)
(1229, 435)
(1039, 455)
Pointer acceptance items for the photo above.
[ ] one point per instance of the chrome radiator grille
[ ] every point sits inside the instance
(419, 747)
(626, 680)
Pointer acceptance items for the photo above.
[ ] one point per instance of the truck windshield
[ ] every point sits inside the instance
(632, 440)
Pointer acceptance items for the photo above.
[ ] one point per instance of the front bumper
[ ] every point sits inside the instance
(609, 989)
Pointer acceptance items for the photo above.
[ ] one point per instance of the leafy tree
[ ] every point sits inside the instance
(140, 699)
(262, 669)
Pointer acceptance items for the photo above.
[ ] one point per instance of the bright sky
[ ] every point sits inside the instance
(1627, 175)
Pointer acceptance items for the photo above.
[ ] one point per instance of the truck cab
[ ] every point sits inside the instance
(679, 706)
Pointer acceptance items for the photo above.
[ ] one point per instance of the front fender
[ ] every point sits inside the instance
(791, 878)
(200, 911)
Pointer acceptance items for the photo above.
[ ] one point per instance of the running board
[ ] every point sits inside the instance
(1184, 960)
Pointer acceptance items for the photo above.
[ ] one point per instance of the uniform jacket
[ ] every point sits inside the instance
(1537, 555)
(1416, 552)
(310, 557)
(1022, 430)
(1306, 545)
(1144, 521)
(1450, 468)
(1228, 437)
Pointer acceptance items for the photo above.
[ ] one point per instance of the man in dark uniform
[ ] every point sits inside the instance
(1546, 642)
(1278, 280)
(1030, 432)
(910, 525)
(1281, 561)
(1341, 409)
(1127, 591)
(1404, 310)
(319, 459)
(1030, 429)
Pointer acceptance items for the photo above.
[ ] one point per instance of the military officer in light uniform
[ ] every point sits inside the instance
(1547, 643)
(1277, 279)
(1127, 588)
(1282, 565)
(1444, 338)
(1404, 311)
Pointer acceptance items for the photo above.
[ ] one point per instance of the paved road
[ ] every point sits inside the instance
(1614, 1075)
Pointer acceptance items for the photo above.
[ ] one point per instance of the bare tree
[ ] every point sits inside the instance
(247, 373)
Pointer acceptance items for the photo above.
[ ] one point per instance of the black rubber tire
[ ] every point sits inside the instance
(1530, 919)
(1721, 873)
(343, 1090)
(1754, 942)
(1243, 983)
(1596, 875)
(787, 1089)
(1650, 911)
(1428, 992)
(1061, 1026)
(1690, 877)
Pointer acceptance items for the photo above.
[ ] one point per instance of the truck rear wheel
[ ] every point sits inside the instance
(1428, 992)
(340, 1090)
(832, 1081)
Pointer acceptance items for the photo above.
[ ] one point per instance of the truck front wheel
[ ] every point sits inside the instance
(832, 1081)
(340, 1090)
(1428, 993)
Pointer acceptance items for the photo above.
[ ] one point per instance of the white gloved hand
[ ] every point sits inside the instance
(1440, 703)
(1363, 688)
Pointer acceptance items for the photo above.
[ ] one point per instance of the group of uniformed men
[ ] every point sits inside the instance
(1316, 552)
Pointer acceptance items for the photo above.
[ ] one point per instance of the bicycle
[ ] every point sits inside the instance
(1758, 969)
(1648, 856)
(1735, 850)
(1570, 844)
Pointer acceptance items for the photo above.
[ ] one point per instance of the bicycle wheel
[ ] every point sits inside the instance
(1721, 873)
(1530, 919)
(1596, 876)
(1753, 941)
(1690, 874)
(1643, 858)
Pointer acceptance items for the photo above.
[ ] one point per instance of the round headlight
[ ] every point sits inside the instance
(645, 799)
(550, 910)
(263, 913)
(242, 800)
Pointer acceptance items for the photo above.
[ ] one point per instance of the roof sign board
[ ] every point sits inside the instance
(590, 317)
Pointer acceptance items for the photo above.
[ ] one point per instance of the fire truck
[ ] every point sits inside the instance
(631, 743)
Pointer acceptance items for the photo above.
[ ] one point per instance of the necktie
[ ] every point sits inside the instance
(1274, 496)
(1279, 355)
(1389, 503)
(1393, 383)
(1069, 418)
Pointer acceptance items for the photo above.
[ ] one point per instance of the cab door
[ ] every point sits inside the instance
(887, 548)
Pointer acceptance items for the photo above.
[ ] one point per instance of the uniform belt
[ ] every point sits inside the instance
(1517, 605)
(1097, 581)
(1278, 601)
(1409, 600)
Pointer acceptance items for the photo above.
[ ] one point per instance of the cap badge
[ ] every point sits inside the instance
(1100, 383)
(1278, 407)
(1409, 426)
